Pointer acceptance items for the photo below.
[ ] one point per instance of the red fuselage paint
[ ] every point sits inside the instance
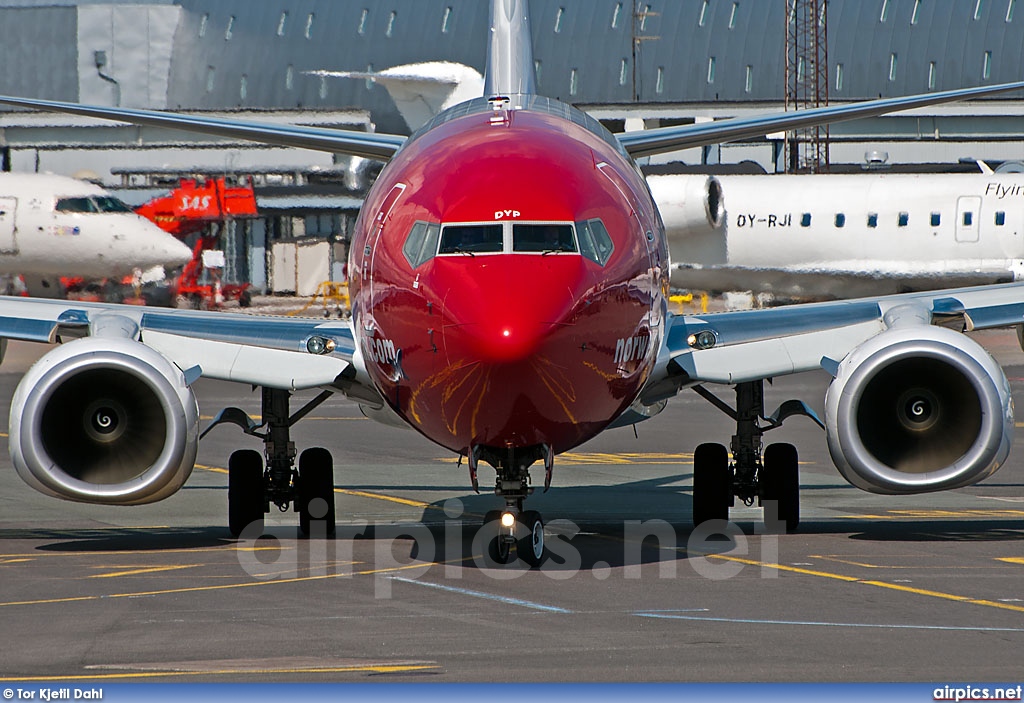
(509, 349)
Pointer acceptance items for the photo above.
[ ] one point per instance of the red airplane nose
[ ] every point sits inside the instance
(508, 317)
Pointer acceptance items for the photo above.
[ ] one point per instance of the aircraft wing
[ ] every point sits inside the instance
(831, 280)
(747, 345)
(369, 145)
(277, 352)
(665, 139)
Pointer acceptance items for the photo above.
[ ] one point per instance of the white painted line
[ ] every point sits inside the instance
(660, 615)
(481, 594)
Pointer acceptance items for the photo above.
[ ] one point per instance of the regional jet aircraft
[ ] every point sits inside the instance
(53, 226)
(842, 235)
(444, 337)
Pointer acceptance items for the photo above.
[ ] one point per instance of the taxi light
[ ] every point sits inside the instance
(508, 519)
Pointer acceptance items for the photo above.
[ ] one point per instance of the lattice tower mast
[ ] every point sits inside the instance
(807, 150)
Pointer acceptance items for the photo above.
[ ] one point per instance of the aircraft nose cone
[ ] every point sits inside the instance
(508, 339)
(504, 315)
(174, 253)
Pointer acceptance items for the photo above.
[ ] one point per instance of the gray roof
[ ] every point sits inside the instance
(593, 38)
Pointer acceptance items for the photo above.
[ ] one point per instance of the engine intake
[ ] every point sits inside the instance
(106, 421)
(918, 409)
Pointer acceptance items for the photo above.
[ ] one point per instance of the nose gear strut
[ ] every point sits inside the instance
(513, 526)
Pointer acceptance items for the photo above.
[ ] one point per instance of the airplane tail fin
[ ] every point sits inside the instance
(509, 50)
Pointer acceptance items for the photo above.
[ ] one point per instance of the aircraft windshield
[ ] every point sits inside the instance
(543, 238)
(471, 239)
(95, 203)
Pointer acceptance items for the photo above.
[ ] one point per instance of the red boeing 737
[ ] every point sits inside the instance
(510, 188)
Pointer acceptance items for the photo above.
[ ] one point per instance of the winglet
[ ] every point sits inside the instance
(509, 50)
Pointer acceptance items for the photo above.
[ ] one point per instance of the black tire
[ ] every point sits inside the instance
(316, 481)
(530, 547)
(780, 486)
(244, 299)
(498, 549)
(712, 484)
(245, 493)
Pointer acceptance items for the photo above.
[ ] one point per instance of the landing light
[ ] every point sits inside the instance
(504, 333)
(705, 339)
(319, 345)
(508, 519)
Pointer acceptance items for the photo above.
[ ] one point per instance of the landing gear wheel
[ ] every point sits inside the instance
(530, 548)
(245, 492)
(712, 485)
(315, 493)
(498, 548)
(780, 482)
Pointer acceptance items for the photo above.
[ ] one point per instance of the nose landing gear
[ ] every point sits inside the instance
(514, 530)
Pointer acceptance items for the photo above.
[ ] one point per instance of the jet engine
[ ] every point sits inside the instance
(104, 420)
(916, 409)
(689, 204)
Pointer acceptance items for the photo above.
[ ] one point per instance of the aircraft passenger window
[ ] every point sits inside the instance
(543, 238)
(421, 244)
(75, 205)
(840, 219)
(471, 239)
(1000, 219)
(873, 219)
(106, 203)
(805, 220)
(968, 219)
(936, 219)
(904, 219)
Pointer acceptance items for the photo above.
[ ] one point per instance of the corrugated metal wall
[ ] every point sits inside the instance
(585, 49)
(39, 52)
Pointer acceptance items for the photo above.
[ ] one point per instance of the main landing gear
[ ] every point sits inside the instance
(513, 530)
(253, 486)
(772, 478)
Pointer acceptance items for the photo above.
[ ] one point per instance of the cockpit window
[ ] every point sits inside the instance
(595, 242)
(96, 203)
(421, 244)
(543, 238)
(75, 205)
(107, 203)
(471, 239)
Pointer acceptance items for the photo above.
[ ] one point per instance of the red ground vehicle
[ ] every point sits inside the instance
(190, 209)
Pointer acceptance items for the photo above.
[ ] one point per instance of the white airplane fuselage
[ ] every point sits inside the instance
(843, 235)
(58, 226)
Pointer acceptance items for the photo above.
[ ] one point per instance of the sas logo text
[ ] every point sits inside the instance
(632, 348)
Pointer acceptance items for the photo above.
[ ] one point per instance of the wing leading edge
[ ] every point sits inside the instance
(748, 345)
(666, 139)
(276, 352)
(368, 145)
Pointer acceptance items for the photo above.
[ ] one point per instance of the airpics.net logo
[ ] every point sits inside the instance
(978, 693)
(648, 548)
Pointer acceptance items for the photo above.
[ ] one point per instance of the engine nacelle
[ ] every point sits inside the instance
(689, 205)
(918, 409)
(103, 420)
